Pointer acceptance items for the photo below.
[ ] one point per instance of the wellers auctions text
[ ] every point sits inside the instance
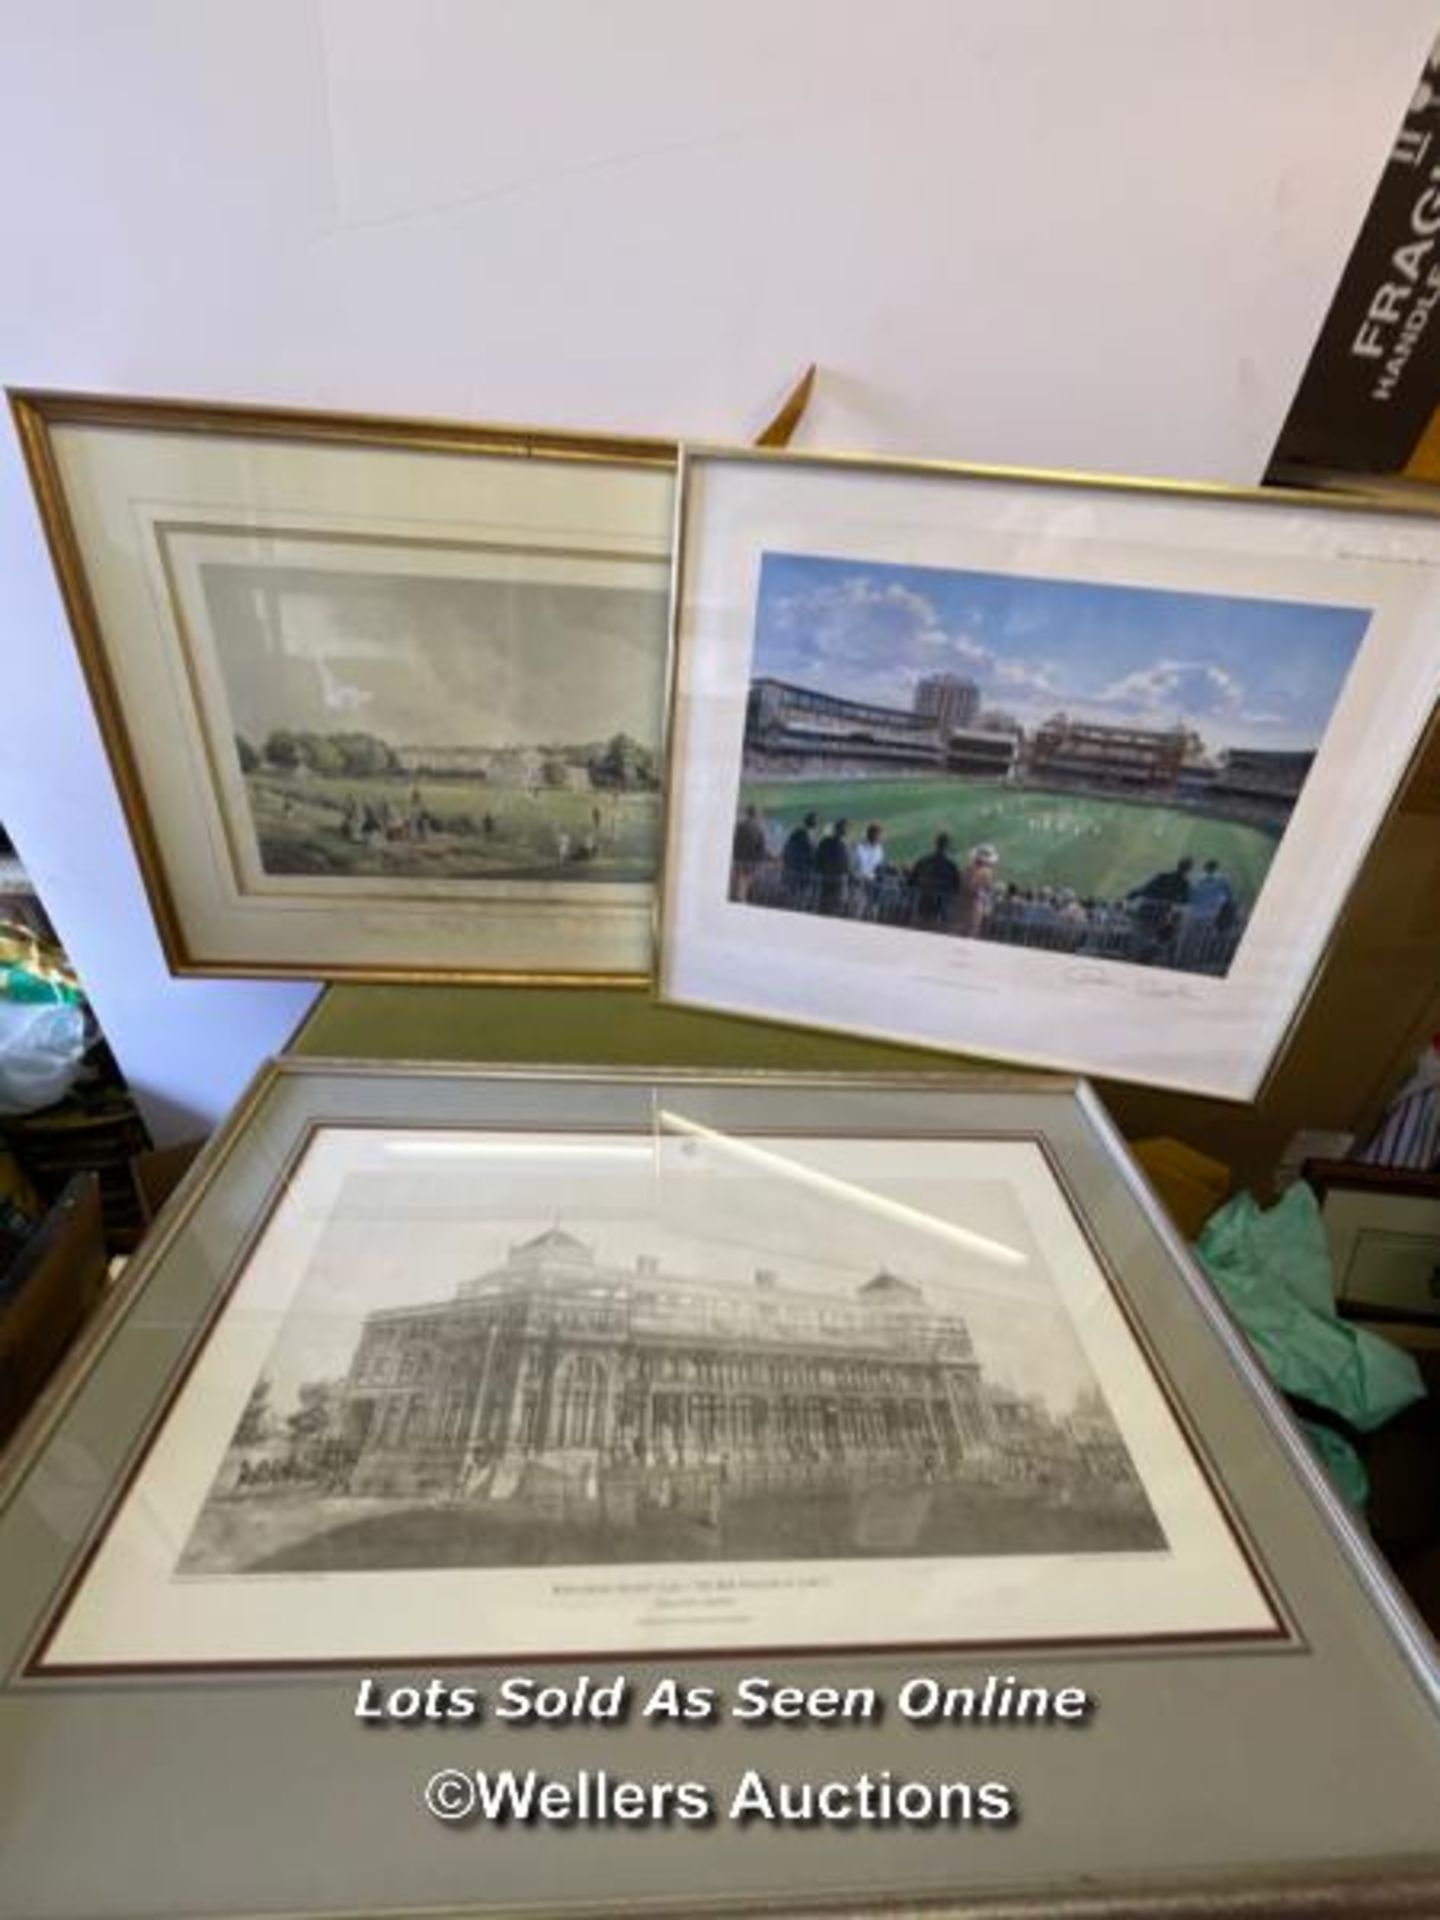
(600, 1798)
(500, 1795)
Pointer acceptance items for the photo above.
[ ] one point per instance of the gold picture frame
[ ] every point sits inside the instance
(452, 639)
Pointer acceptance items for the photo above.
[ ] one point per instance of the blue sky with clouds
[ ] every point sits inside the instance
(1241, 672)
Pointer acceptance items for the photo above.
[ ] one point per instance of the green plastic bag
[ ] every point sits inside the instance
(1272, 1269)
(33, 989)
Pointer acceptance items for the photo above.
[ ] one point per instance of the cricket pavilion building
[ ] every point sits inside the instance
(556, 1365)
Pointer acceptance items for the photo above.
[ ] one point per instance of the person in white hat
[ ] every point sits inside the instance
(972, 902)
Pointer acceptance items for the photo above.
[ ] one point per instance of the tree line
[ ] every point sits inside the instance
(620, 762)
(356, 754)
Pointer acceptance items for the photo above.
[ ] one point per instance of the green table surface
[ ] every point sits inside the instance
(586, 1026)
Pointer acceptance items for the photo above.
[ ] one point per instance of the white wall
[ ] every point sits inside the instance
(1032, 231)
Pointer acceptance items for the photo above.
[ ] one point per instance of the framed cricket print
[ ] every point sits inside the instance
(883, 1423)
(878, 1373)
(1066, 771)
(383, 697)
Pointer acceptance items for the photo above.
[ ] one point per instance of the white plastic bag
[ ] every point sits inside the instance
(41, 1048)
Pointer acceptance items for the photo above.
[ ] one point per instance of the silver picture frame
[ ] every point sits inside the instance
(1076, 771)
(1256, 1723)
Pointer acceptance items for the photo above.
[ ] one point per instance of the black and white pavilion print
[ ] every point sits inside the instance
(563, 1408)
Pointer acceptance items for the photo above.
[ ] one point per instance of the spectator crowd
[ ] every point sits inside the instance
(1177, 918)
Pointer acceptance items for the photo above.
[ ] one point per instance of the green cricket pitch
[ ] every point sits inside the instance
(1099, 847)
(299, 822)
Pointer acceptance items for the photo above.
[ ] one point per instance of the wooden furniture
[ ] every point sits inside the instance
(52, 1285)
